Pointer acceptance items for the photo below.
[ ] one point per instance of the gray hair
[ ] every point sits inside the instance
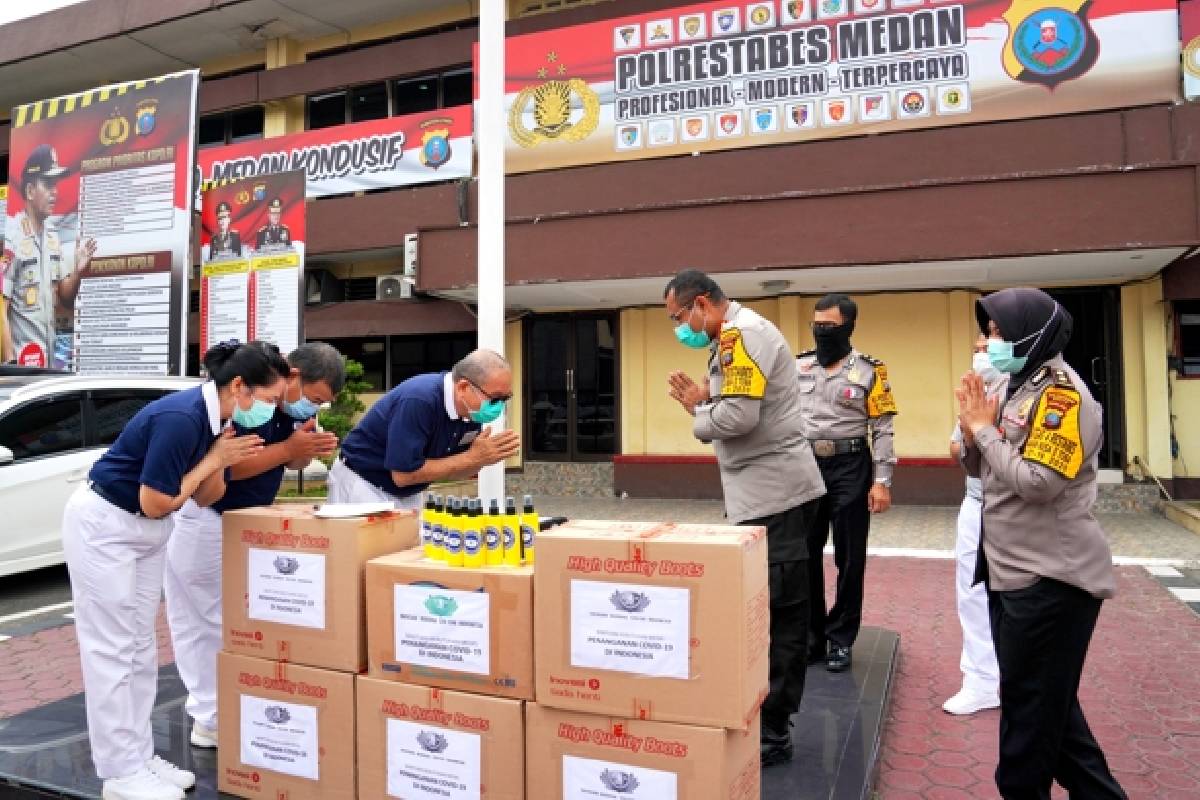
(477, 365)
(318, 361)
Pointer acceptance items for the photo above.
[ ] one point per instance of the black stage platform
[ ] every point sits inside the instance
(44, 752)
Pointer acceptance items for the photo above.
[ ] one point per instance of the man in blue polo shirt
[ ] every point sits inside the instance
(429, 428)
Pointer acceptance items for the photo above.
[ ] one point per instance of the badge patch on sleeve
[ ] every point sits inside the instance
(740, 376)
(881, 401)
(1054, 439)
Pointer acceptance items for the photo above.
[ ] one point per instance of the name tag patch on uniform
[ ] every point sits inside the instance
(1054, 440)
(467, 438)
(740, 376)
(881, 400)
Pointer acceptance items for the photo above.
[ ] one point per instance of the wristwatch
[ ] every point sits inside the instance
(887, 482)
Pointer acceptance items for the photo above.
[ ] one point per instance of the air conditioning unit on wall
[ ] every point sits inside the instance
(393, 287)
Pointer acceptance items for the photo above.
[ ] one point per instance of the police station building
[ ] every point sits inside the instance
(911, 153)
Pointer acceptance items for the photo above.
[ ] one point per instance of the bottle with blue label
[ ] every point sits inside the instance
(437, 531)
(428, 514)
(529, 530)
(493, 536)
(510, 533)
(473, 555)
(453, 542)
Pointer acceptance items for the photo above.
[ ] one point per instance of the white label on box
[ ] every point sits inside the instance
(588, 779)
(279, 736)
(428, 762)
(287, 587)
(438, 627)
(639, 629)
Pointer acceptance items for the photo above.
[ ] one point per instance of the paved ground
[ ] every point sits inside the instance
(1141, 687)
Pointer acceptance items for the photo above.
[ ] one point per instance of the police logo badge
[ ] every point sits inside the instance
(286, 565)
(432, 741)
(147, 116)
(764, 119)
(260, 192)
(693, 26)
(628, 37)
(913, 103)
(629, 602)
(1049, 45)
(554, 114)
(761, 15)
(795, 10)
(729, 123)
(114, 130)
(836, 109)
(628, 137)
(694, 127)
(435, 147)
(619, 781)
(726, 20)
(277, 715)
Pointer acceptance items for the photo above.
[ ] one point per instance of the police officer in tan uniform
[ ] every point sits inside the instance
(274, 234)
(844, 396)
(750, 412)
(1043, 556)
(225, 242)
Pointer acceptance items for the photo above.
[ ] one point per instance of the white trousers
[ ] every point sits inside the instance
(193, 590)
(980, 672)
(347, 486)
(116, 564)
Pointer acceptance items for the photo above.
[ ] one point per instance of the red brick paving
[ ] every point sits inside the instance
(1141, 686)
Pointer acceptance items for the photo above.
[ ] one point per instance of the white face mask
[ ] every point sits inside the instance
(982, 364)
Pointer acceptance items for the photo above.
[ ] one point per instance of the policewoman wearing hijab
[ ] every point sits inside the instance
(315, 373)
(1044, 558)
(115, 531)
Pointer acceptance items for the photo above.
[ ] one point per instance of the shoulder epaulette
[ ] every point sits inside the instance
(806, 354)
(874, 362)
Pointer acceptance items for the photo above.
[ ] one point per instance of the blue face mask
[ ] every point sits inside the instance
(302, 409)
(489, 411)
(256, 416)
(690, 338)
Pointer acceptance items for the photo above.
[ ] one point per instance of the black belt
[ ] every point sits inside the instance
(109, 497)
(828, 448)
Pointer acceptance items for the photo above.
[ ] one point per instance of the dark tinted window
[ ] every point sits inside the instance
(327, 110)
(1187, 312)
(457, 88)
(414, 95)
(368, 102)
(414, 355)
(112, 411)
(370, 353)
(43, 427)
(210, 132)
(246, 123)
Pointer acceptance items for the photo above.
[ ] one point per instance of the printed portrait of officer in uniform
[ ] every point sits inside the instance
(274, 235)
(225, 243)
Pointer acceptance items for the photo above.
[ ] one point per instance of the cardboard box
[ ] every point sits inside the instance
(287, 731)
(420, 742)
(571, 756)
(653, 622)
(451, 627)
(293, 582)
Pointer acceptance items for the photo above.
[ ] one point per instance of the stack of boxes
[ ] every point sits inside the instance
(630, 665)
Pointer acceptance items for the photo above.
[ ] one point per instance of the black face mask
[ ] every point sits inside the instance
(833, 343)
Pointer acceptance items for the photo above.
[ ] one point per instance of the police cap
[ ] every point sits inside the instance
(223, 208)
(275, 205)
(42, 163)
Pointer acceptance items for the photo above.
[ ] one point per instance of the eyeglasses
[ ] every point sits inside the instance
(478, 388)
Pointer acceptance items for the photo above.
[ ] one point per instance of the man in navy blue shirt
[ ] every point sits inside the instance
(429, 428)
(193, 574)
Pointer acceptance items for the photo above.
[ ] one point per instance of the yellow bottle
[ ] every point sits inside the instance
(510, 533)
(493, 536)
(454, 534)
(437, 533)
(529, 530)
(473, 555)
(428, 516)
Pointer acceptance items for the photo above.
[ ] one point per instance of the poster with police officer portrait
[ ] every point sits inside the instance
(98, 232)
(252, 244)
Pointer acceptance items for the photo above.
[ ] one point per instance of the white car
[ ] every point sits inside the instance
(52, 429)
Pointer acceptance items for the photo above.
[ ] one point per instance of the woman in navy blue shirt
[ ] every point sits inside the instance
(114, 535)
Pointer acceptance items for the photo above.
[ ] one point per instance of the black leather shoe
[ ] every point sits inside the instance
(816, 656)
(839, 658)
(775, 745)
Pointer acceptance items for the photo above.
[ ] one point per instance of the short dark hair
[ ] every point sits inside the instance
(318, 361)
(257, 363)
(690, 284)
(847, 307)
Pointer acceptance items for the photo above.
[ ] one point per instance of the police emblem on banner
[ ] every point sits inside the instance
(729, 124)
(553, 107)
(726, 21)
(760, 16)
(432, 741)
(627, 37)
(692, 27)
(797, 11)
(260, 192)
(953, 99)
(660, 31)
(629, 137)
(1049, 45)
(836, 112)
(766, 120)
(695, 128)
(147, 113)
(874, 107)
(800, 115)
(914, 103)
(832, 9)
(114, 130)
(661, 132)
(616, 780)
(435, 147)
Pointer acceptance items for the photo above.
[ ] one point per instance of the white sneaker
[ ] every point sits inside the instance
(141, 785)
(203, 736)
(969, 702)
(171, 774)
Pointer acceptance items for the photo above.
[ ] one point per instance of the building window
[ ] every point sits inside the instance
(372, 354)
(394, 98)
(1187, 317)
(527, 8)
(227, 127)
(416, 355)
(4, 166)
